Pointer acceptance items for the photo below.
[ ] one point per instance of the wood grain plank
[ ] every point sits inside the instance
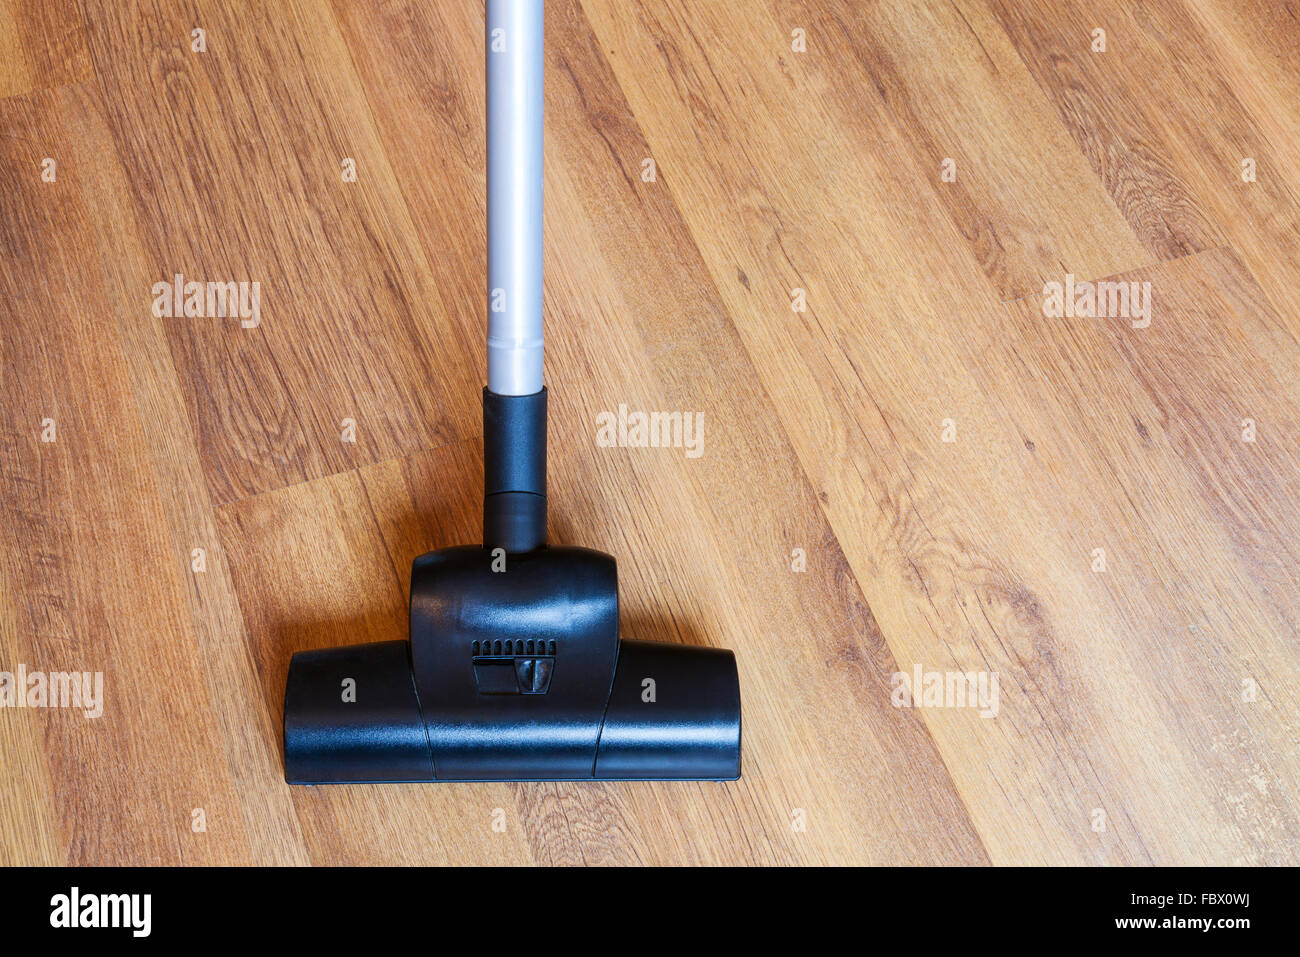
(1140, 112)
(253, 754)
(31, 834)
(234, 156)
(1256, 44)
(1200, 576)
(1022, 195)
(87, 553)
(1136, 152)
(42, 44)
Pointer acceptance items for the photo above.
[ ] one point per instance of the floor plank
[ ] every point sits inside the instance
(1026, 201)
(1255, 44)
(94, 582)
(347, 330)
(42, 44)
(252, 751)
(1139, 112)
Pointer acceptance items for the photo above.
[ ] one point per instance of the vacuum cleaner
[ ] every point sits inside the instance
(514, 670)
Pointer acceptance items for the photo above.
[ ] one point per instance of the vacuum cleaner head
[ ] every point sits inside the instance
(514, 670)
(512, 674)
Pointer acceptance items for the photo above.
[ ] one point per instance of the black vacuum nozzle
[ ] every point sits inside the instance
(514, 670)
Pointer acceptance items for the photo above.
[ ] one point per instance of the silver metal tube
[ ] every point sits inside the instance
(514, 195)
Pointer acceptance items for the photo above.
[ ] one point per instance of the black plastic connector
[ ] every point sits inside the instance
(514, 471)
